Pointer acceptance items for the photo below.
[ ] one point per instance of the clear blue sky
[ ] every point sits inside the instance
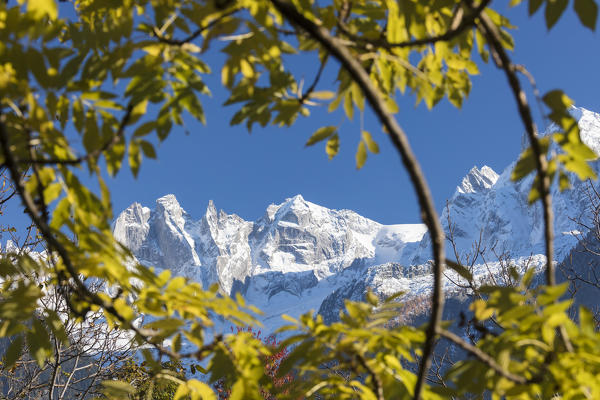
(244, 173)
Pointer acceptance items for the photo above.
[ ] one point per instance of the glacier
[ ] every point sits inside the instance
(300, 256)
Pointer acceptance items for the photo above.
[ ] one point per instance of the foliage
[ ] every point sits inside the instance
(79, 93)
(149, 385)
(526, 342)
(271, 364)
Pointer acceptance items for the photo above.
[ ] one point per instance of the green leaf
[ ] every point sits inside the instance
(78, 115)
(563, 181)
(57, 326)
(534, 193)
(372, 298)
(118, 389)
(587, 11)
(148, 149)
(135, 157)
(38, 341)
(348, 105)
(371, 144)
(138, 111)
(357, 96)
(202, 389)
(460, 269)
(534, 5)
(333, 146)
(91, 135)
(13, 352)
(587, 321)
(554, 10)
(114, 157)
(557, 100)
(145, 129)
(526, 162)
(361, 155)
(524, 166)
(52, 191)
(321, 134)
(181, 392)
(580, 167)
(176, 343)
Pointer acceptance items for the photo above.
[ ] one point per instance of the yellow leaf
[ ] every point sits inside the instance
(371, 144)
(321, 134)
(333, 146)
(41, 8)
(361, 155)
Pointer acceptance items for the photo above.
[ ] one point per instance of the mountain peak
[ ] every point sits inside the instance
(169, 204)
(589, 125)
(297, 199)
(478, 180)
(167, 199)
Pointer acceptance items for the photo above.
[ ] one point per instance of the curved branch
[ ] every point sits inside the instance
(400, 142)
(313, 86)
(510, 70)
(459, 25)
(53, 244)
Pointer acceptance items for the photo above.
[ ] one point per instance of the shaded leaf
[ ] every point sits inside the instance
(361, 155)
(333, 146)
(587, 11)
(554, 10)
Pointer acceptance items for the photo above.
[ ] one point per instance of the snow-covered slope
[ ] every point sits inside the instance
(300, 256)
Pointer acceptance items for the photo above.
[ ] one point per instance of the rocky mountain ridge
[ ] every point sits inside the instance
(300, 256)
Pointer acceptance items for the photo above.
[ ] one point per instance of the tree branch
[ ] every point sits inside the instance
(483, 357)
(493, 37)
(459, 25)
(94, 154)
(377, 384)
(313, 86)
(53, 244)
(400, 142)
(194, 35)
(510, 70)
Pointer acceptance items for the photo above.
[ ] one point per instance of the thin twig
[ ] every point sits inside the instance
(377, 384)
(483, 357)
(313, 86)
(458, 26)
(194, 35)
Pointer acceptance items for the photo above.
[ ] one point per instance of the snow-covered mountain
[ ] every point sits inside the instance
(300, 256)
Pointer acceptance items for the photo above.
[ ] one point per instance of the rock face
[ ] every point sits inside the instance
(300, 256)
(297, 236)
